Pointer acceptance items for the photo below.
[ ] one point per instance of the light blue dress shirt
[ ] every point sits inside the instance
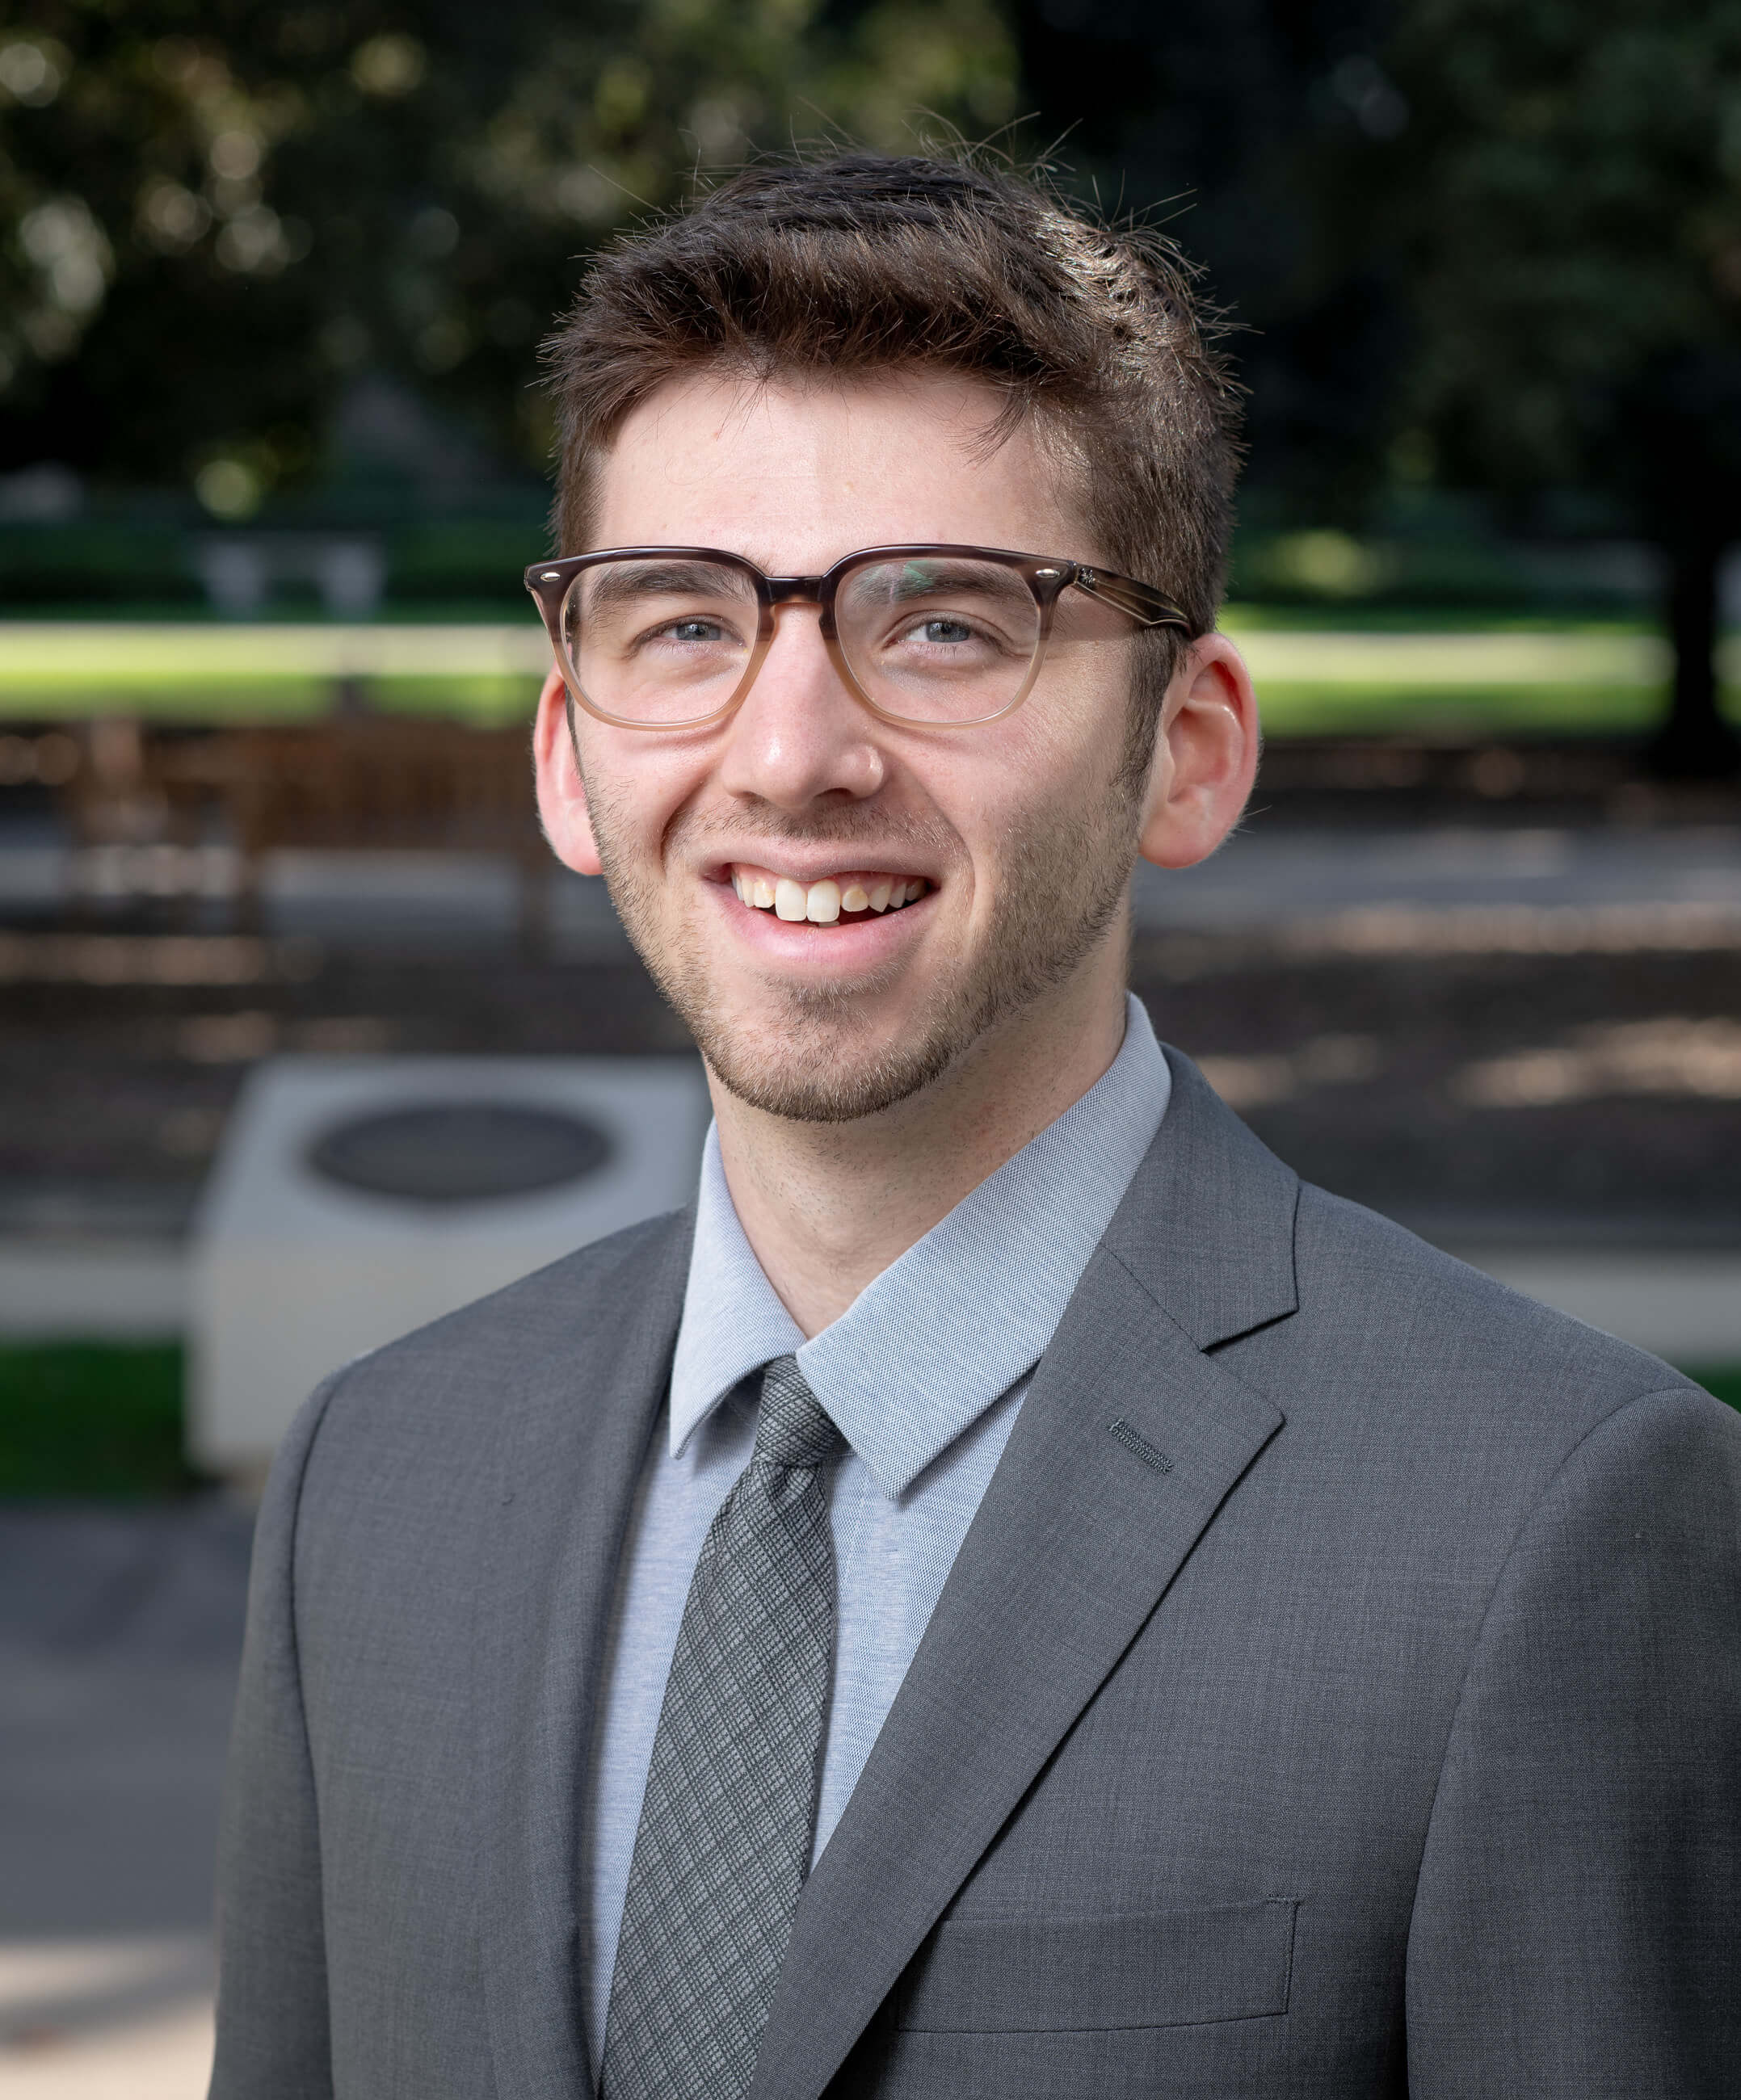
(923, 1374)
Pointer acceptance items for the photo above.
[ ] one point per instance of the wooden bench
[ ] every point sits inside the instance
(351, 783)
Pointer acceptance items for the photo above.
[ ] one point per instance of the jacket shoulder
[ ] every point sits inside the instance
(1424, 1324)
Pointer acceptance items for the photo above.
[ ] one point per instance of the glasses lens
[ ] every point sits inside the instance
(936, 637)
(659, 641)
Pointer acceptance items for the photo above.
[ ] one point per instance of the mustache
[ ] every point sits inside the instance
(700, 834)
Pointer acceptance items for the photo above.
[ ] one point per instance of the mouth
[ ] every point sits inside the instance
(851, 897)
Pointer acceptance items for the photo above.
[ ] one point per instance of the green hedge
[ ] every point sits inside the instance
(1724, 1380)
(97, 1418)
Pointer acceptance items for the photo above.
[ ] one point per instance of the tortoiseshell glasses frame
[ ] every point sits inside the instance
(553, 585)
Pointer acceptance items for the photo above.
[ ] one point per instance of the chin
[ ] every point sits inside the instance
(814, 1068)
(808, 1100)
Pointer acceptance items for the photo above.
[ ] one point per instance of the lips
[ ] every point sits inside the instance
(852, 893)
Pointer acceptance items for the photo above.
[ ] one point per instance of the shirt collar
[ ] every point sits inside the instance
(967, 1310)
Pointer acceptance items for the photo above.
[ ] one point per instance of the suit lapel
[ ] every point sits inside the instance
(576, 1438)
(1128, 1442)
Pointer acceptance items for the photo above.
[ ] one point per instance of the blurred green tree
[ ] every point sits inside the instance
(1493, 243)
(1222, 119)
(1566, 203)
(215, 215)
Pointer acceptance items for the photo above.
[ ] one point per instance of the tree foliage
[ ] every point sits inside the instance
(213, 216)
(1566, 205)
(1566, 197)
(1225, 118)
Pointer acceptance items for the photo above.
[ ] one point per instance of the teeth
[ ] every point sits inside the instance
(821, 903)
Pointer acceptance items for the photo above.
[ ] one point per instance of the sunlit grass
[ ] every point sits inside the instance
(1244, 616)
(1385, 674)
(1437, 714)
(282, 672)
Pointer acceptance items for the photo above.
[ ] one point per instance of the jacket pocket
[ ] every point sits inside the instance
(1055, 1975)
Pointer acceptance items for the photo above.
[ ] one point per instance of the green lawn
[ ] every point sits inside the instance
(105, 1419)
(201, 671)
(1438, 676)
(1242, 616)
(1455, 715)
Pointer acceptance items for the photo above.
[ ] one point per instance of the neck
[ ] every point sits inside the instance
(828, 1206)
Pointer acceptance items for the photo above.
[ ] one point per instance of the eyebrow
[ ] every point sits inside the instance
(624, 582)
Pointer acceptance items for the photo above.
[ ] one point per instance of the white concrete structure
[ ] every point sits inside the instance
(54, 1290)
(293, 1274)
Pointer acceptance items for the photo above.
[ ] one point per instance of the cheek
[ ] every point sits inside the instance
(638, 793)
(1025, 784)
(1057, 754)
(1082, 707)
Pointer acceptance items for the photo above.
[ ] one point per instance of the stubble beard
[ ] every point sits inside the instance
(1063, 884)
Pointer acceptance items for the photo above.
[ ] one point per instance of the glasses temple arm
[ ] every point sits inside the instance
(1141, 601)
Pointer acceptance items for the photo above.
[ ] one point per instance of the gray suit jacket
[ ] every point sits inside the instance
(1336, 1694)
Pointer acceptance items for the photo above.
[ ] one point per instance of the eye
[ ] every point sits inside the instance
(690, 630)
(941, 627)
(940, 630)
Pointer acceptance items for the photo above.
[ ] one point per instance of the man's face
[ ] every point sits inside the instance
(1013, 840)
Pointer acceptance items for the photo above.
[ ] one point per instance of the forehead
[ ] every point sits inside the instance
(795, 473)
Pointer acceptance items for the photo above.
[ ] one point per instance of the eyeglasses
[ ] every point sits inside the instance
(929, 636)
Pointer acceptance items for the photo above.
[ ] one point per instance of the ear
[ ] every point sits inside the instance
(1205, 756)
(562, 792)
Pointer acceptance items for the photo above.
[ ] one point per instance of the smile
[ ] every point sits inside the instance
(856, 894)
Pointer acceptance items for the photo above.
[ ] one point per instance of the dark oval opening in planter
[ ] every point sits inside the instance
(459, 1152)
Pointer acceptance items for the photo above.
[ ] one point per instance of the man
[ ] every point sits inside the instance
(1009, 1593)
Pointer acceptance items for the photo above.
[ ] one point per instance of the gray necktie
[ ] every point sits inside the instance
(729, 1813)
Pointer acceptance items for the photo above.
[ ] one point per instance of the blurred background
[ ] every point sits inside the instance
(302, 1036)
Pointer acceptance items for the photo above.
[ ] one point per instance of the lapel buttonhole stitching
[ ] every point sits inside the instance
(1140, 1444)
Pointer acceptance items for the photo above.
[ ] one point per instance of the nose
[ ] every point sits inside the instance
(799, 737)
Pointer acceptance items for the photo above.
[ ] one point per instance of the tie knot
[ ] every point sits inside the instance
(792, 1428)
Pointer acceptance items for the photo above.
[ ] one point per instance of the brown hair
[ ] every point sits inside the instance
(861, 263)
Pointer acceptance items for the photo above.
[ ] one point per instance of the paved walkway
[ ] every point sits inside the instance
(119, 1634)
(1271, 875)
